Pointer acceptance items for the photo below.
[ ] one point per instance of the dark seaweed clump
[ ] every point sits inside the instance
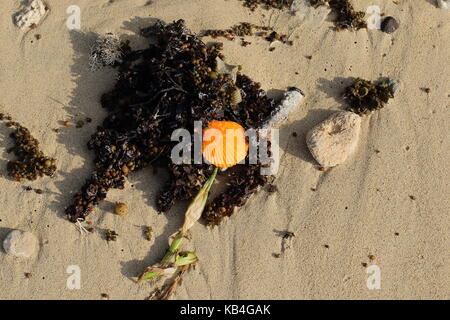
(346, 16)
(248, 29)
(31, 162)
(364, 96)
(168, 85)
(318, 3)
(267, 4)
(244, 182)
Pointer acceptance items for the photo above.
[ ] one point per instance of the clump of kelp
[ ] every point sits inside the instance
(364, 96)
(170, 84)
(346, 16)
(267, 4)
(31, 162)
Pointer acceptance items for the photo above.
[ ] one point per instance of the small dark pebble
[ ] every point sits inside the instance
(27, 275)
(326, 246)
(294, 134)
(104, 296)
(426, 90)
(396, 234)
(389, 25)
(38, 191)
(28, 188)
(313, 189)
(412, 197)
(364, 264)
(277, 255)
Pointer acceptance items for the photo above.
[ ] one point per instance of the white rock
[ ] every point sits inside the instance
(332, 141)
(20, 243)
(290, 101)
(443, 4)
(31, 13)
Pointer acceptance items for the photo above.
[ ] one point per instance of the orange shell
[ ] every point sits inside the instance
(224, 143)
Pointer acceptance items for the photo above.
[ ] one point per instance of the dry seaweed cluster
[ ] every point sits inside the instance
(267, 4)
(168, 85)
(364, 96)
(31, 162)
(346, 16)
(245, 181)
(248, 29)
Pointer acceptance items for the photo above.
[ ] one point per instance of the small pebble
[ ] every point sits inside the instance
(372, 257)
(121, 209)
(389, 25)
(20, 243)
(105, 296)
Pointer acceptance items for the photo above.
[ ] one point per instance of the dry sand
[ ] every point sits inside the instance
(356, 210)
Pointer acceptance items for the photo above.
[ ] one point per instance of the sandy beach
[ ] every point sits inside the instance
(388, 201)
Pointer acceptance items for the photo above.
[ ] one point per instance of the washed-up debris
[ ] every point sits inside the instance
(107, 51)
(121, 209)
(31, 14)
(443, 4)
(290, 101)
(345, 15)
(249, 29)
(111, 235)
(20, 243)
(333, 140)
(364, 96)
(31, 162)
(267, 4)
(389, 25)
(148, 233)
(170, 84)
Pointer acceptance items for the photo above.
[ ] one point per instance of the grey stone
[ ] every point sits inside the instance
(389, 25)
